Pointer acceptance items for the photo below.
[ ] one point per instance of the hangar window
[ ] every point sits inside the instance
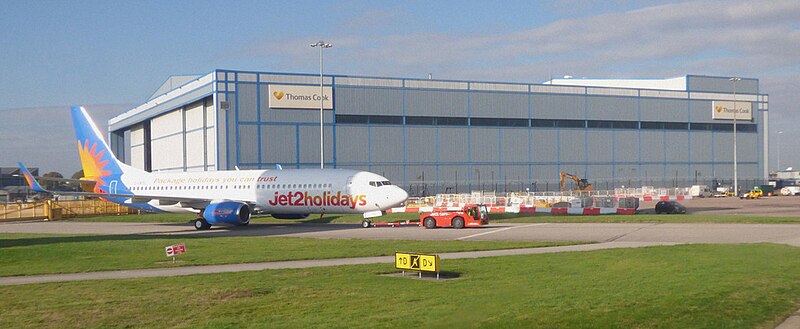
(498, 122)
(748, 128)
(343, 118)
(571, 123)
(626, 124)
(451, 121)
(676, 125)
(600, 124)
(386, 119)
(724, 127)
(425, 121)
(543, 123)
(652, 125)
(701, 126)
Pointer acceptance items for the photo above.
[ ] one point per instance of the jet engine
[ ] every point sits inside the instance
(228, 212)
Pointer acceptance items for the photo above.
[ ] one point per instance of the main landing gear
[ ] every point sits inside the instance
(201, 224)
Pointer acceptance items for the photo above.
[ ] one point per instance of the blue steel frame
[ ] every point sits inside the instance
(231, 77)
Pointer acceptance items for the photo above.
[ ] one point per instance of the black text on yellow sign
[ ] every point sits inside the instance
(416, 262)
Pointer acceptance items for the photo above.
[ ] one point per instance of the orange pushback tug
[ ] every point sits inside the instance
(469, 216)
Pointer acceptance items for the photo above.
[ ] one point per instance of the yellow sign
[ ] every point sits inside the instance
(416, 262)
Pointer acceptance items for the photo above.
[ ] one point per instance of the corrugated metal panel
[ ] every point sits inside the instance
(488, 174)
(386, 144)
(573, 144)
(137, 156)
(167, 152)
(194, 116)
(514, 145)
(498, 87)
(354, 100)
(701, 147)
(230, 123)
(195, 148)
(652, 149)
(246, 77)
(372, 82)
(483, 144)
(436, 103)
(663, 93)
(393, 173)
(309, 144)
(350, 144)
(137, 135)
(421, 145)
(601, 176)
(724, 97)
(166, 124)
(723, 146)
(558, 89)
(211, 148)
(433, 84)
(453, 144)
(601, 146)
(701, 111)
(545, 145)
(558, 107)
(248, 143)
(747, 144)
(722, 84)
(419, 174)
(301, 79)
(279, 144)
(612, 91)
(653, 175)
(672, 110)
(248, 100)
(498, 105)
(611, 108)
(677, 144)
(546, 177)
(626, 146)
(515, 177)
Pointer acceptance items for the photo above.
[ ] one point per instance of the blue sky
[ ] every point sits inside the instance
(111, 55)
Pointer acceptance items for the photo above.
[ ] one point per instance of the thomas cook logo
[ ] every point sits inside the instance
(718, 108)
(278, 94)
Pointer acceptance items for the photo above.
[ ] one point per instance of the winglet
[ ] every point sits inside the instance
(32, 183)
(278, 166)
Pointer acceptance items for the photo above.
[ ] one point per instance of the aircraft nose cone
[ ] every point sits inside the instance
(399, 196)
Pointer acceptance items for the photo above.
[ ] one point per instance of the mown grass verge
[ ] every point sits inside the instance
(27, 254)
(689, 286)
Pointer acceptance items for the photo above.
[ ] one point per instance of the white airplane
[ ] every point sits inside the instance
(225, 197)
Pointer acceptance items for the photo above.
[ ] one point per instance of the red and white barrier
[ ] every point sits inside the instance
(526, 209)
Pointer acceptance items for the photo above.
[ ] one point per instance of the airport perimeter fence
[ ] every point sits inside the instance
(54, 210)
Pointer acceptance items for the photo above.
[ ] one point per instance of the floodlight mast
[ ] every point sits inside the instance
(322, 45)
(735, 112)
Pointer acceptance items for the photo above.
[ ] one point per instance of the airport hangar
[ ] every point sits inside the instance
(444, 136)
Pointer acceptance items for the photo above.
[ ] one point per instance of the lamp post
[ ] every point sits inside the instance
(322, 45)
(779, 150)
(735, 112)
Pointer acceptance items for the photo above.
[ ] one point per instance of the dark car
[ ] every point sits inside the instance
(670, 207)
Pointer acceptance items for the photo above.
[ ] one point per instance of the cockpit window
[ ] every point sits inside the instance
(382, 183)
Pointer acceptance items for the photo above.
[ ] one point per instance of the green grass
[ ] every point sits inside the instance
(690, 286)
(27, 254)
(496, 218)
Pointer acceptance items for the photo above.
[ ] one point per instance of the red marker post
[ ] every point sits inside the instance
(175, 250)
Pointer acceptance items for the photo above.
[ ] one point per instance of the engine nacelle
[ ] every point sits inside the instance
(228, 212)
(289, 216)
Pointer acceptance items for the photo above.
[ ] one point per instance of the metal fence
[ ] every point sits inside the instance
(51, 209)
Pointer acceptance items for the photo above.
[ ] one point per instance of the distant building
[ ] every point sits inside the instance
(442, 136)
(12, 185)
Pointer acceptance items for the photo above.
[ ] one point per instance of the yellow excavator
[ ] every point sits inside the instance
(581, 184)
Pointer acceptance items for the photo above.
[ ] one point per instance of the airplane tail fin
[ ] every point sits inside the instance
(32, 183)
(98, 162)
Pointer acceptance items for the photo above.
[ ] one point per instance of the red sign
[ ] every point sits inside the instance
(177, 249)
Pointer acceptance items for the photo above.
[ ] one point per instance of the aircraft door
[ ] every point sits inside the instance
(112, 187)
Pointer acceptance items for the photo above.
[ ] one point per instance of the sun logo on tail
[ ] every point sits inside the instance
(93, 165)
